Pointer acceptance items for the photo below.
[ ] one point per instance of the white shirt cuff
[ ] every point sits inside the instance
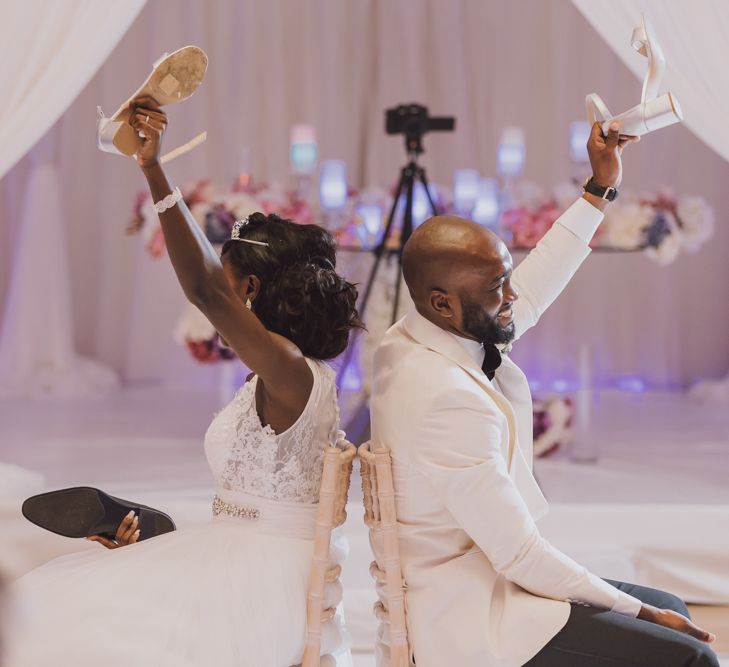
(627, 604)
(582, 219)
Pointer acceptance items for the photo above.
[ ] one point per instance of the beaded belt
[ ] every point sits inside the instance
(238, 511)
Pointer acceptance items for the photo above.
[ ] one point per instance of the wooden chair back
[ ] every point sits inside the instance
(331, 513)
(381, 518)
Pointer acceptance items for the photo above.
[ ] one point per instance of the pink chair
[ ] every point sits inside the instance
(380, 517)
(330, 514)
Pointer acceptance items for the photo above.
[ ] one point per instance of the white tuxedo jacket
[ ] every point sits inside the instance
(484, 588)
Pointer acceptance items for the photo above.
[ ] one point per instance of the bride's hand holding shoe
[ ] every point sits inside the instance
(127, 533)
(150, 122)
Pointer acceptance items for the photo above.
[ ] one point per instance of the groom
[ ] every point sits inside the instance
(483, 587)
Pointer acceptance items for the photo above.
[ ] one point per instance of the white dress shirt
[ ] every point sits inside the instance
(473, 347)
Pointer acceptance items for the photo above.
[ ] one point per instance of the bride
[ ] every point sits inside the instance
(231, 592)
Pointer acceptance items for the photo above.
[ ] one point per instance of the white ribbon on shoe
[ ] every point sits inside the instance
(181, 150)
(653, 112)
(106, 129)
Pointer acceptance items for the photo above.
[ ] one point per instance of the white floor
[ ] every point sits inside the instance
(652, 448)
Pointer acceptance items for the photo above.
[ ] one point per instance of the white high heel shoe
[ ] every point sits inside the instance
(654, 111)
(175, 77)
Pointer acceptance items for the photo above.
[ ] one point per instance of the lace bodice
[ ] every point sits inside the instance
(246, 456)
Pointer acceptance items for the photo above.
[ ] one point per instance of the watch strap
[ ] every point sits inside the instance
(608, 193)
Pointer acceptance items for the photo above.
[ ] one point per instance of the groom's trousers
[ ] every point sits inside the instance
(595, 638)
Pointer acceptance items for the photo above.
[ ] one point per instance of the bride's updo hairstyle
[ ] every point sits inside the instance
(301, 296)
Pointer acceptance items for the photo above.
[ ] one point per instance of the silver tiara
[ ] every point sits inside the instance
(235, 234)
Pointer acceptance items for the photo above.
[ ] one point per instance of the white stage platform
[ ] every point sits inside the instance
(653, 510)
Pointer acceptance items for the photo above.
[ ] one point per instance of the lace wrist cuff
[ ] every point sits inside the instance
(168, 202)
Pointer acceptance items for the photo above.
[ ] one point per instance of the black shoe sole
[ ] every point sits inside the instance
(83, 511)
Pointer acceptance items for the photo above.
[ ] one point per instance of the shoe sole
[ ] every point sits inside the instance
(84, 511)
(175, 79)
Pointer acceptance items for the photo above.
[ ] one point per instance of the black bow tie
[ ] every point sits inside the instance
(491, 360)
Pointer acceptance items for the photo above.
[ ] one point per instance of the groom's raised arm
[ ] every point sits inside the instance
(542, 276)
(544, 273)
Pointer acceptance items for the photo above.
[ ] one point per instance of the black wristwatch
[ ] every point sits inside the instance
(610, 193)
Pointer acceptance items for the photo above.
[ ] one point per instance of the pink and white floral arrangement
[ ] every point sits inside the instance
(661, 224)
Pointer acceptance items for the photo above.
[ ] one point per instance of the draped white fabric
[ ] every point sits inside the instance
(491, 63)
(693, 38)
(50, 52)
(37, 355)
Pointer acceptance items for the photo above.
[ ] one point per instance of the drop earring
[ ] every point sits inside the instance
(248, 304)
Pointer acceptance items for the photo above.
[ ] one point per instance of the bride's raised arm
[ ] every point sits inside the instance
(200, 272)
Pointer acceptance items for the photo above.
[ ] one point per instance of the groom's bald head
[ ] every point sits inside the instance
(458, 274)
(441, 249)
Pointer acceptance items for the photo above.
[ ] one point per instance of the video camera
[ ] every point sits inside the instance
(413, 121)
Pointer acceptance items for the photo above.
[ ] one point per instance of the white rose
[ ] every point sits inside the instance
(698, 222)
(669, 249)
(624, 225)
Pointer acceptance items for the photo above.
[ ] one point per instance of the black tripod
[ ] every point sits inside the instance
(411, 172)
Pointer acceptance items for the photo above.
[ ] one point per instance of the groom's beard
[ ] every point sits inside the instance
(480, 325)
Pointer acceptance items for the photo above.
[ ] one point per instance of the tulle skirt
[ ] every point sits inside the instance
(222, 594)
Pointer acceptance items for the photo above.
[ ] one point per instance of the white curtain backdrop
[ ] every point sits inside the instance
(50, 52)
(693, 36)
(37, 356)
(338, 65)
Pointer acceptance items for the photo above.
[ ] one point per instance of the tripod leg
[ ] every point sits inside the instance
(379, 251)
(407, 230)
(381, 246)
(424, 180)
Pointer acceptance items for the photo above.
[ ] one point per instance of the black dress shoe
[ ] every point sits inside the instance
(83, 511)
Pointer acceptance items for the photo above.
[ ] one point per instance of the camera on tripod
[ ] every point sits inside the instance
(413, 121)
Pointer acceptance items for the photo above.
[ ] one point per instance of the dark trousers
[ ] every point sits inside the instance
(595, 638)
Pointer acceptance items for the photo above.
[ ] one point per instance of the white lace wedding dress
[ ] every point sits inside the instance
(229, 593)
